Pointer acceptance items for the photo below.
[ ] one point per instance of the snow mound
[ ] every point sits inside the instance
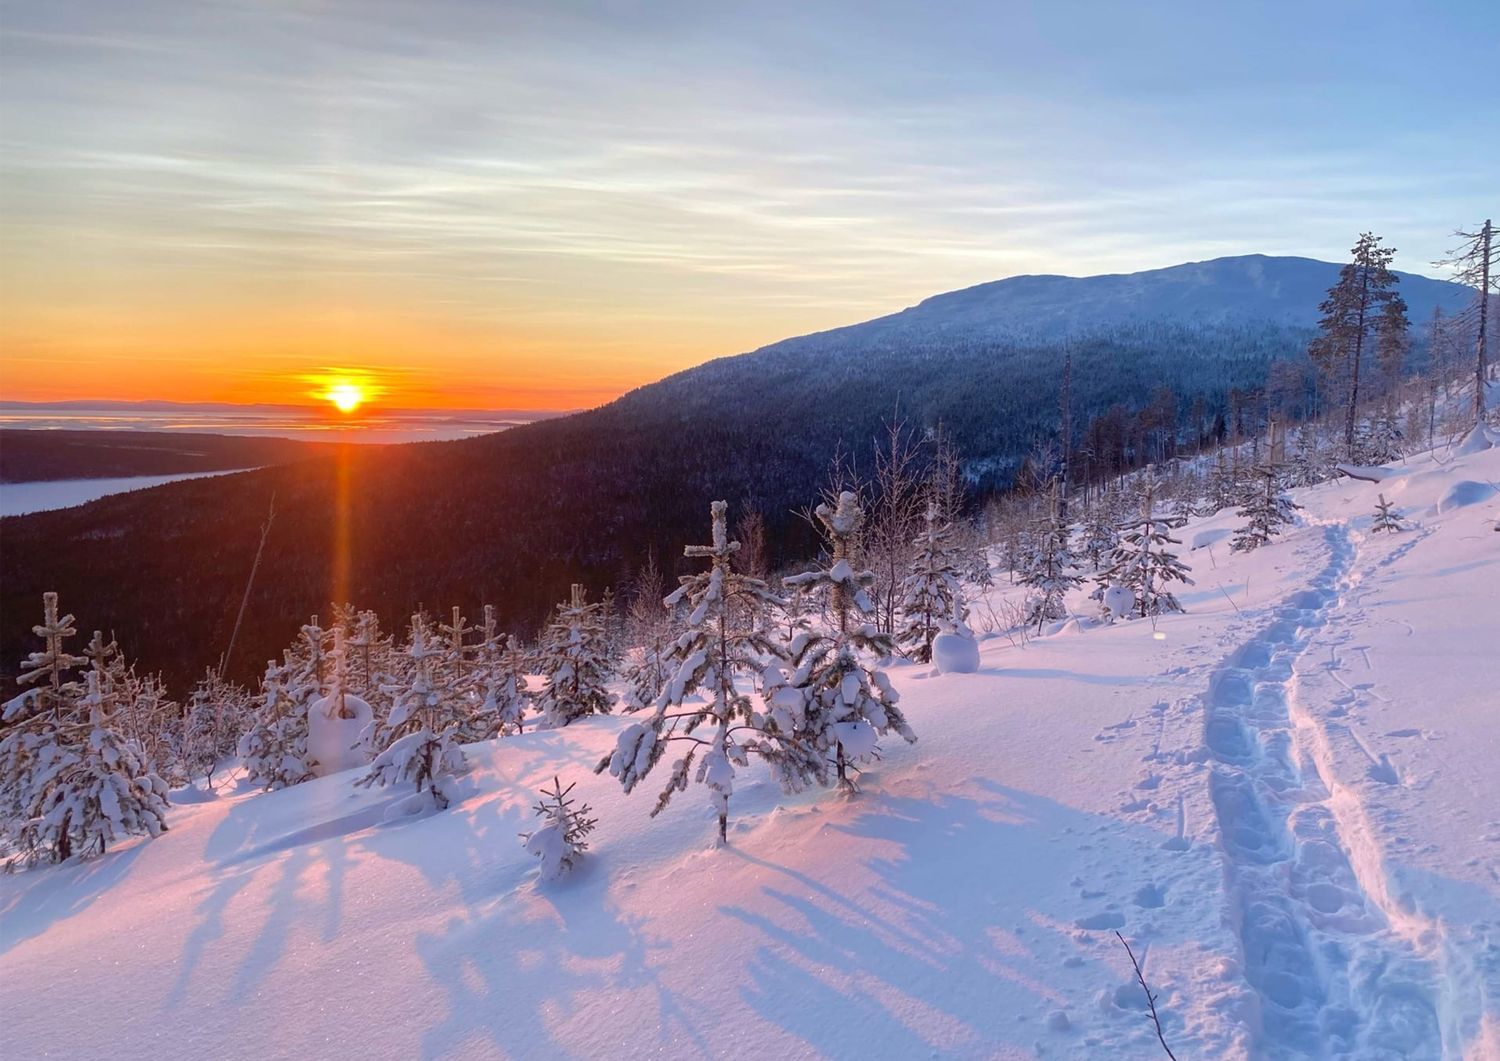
(1208, 537)
(336, 733)
(1118, 600)
(955, 654)
(1478, 440)
(1464, 493)
(190, 794)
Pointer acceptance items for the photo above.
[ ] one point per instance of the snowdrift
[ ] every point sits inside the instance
(1285, 799)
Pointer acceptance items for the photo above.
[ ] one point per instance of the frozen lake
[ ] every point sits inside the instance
(17, 499)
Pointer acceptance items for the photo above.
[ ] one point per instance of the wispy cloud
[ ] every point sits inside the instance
(692, 179)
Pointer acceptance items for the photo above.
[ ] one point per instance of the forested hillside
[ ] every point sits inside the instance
(35, 456)
(513, 518)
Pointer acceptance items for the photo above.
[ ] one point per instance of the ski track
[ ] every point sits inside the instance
(1336, 968)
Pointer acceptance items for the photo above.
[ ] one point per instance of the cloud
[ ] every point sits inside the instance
(663, 175)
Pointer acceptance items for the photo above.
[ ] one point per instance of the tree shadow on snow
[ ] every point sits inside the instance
(547, 965)
(969, 935)
(47, 895)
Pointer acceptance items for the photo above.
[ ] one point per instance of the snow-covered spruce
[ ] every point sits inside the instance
(1098, 535)
(653, 630)
(726, 644)
(71, 783)
(931, 595)
(340, 723)
(274, 749)
(573, 658)
(1307, 466)
(97, 790)
(1049, 569)
(211, 732)
(1144, 563)
(1225, 485)
(835, 697)
(453, 668)
(560, 840)
(1386, 519)
(423, 728)
(1266, 511)
(500, 677)
(1378, 440)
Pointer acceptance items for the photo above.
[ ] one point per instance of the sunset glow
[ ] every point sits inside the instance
(529, 217)
(346, 397)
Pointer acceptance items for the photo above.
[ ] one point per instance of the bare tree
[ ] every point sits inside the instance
(896, 515)
(1474, 263)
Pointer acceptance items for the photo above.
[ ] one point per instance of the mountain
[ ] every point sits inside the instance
(1250, 287)
(513, 518)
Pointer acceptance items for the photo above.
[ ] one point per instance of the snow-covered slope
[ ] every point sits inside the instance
(1249, 288)
(1286, 800)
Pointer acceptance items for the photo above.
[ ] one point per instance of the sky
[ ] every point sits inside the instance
(483, 204)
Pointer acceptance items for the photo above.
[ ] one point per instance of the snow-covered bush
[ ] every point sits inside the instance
(955, 652)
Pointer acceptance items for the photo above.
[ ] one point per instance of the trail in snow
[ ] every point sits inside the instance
(1331, 973)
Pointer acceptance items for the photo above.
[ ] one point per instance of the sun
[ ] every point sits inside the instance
(346, 397)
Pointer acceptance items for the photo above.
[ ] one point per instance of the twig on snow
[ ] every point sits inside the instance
(1150, 998)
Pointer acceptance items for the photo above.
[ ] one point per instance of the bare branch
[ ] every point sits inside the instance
(1150, 998)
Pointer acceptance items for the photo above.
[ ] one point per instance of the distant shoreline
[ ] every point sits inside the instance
(294, 423)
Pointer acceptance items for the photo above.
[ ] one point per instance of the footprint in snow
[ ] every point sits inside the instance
(1151, 896)
(1384, 771)
(1109, 919)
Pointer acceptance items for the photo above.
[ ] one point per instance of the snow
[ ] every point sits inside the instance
(336, 737)
(1463, 493)
(1119, 600)
(1285, 798)
(954, 653)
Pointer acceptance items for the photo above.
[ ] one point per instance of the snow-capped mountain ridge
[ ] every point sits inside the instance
(1243, 288)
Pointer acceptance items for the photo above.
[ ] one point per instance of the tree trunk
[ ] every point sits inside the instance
(1481, 353)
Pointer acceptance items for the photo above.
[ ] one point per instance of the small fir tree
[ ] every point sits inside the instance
(651, 626)
(1050, 570)
(424, 730)
(71, 782)
(725, 645)
(1386, 519)
(1098, 536)
(500, 679)
(841, 703)
(560, 841)
(931, 595)
(1306, 467)
(574, 660)
(1144, 562)
(1265, 511)
(211, 730)
(274, 748)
